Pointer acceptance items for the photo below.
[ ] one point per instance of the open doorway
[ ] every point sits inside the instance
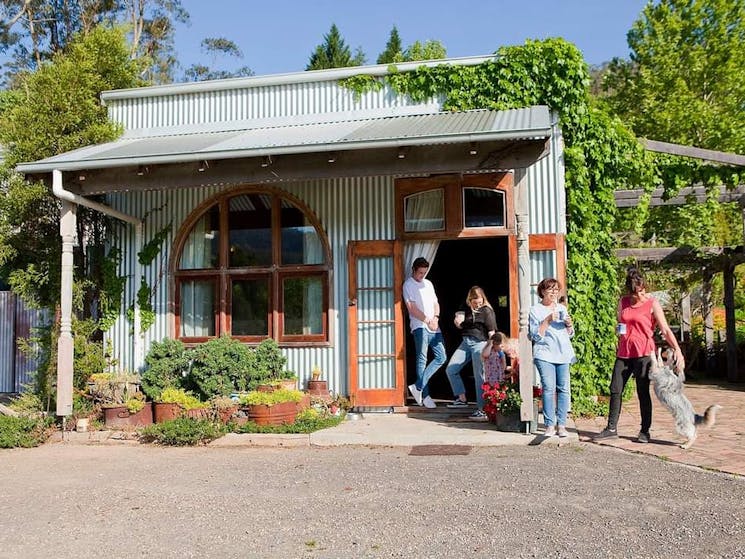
(457, 266)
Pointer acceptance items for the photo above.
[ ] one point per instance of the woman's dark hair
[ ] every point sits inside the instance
(546, 284)
(634, 281)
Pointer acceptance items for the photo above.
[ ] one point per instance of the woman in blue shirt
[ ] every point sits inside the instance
(550, 329)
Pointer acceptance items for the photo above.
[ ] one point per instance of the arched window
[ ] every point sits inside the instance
(253, 265)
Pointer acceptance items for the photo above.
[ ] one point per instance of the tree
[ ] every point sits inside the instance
(685, 81)
(393, 49)
(429, 50)
(334, 53)
(217, 47)
(35, 30)
(57, 109)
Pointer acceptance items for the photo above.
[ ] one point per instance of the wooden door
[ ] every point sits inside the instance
(376, 328)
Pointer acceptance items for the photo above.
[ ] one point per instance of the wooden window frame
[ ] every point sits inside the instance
(453, 186)
(223, 275)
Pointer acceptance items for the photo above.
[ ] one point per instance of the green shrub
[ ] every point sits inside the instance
(220, 367)
(24, 432)
(166, 365)
(183, 431)
(26, 403)
(269, 363)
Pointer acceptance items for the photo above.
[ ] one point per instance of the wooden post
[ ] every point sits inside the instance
(729, 315)
(708, 314)
(68, 228)
(523, 284)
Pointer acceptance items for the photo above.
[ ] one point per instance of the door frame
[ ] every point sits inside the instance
(380, 396)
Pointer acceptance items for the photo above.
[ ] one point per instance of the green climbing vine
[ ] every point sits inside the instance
(601, 155)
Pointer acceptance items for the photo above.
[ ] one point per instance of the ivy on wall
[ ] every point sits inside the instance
(601, 155)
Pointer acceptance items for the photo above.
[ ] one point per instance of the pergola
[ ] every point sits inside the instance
(709, 260)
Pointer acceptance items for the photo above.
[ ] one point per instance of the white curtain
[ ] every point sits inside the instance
(425, 211)
(197, 312)
(415, 249)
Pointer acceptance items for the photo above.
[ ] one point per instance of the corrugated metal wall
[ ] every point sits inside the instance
(17, 321)
(285, 100)
(545, 199)
(343, 208)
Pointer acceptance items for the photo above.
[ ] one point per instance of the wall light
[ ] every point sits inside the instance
(332, 158)
(81, 177)
(402, 152)
(203, 166)
(473, 149)
(142, 170)
(267, 161)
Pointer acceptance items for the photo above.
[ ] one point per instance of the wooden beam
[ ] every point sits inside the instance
(714, 156)
(630, 198)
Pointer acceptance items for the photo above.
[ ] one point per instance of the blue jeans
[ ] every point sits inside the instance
(554, 378)
(468, 350)
(423, 340)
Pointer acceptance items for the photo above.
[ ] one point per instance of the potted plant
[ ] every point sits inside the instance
(271, 408)
(224, 408)
(131, 411)
(177, 402)
(317, 387)
(502, 403)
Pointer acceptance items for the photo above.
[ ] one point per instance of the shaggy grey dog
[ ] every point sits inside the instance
(668, 386)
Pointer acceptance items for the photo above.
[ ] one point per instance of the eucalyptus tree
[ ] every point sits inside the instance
(215, 48)
(334, 53)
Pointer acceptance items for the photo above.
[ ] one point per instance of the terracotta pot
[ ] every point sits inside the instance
(304, 403)
(261, 414)
(118, 417)
(226, 414)
(266, 388)
(166, 411)
(198, 413)
(319, 388)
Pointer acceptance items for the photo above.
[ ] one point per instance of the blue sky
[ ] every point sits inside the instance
(278, 36)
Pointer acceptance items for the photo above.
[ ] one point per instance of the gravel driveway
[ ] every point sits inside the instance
(129, 500)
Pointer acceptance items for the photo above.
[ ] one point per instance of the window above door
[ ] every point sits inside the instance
(448, 206)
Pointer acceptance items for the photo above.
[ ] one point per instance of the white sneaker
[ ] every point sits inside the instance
(550, 431)
(428, 402)
(563, 431)
(416, 393)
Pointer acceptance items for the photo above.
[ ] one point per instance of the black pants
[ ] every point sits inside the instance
(622, 371)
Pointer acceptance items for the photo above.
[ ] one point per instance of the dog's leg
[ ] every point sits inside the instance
(689, 443)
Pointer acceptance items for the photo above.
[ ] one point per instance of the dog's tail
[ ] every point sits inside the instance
(709, 417)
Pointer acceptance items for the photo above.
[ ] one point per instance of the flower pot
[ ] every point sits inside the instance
(166, 411)
(261, 414)
(319, 388)
(304, 403)
(119, 417)
(198, 413)
(510, 422)
(225, 415)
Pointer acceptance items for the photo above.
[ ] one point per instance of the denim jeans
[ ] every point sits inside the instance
(554, 379)
(468, 350)
(423, 340)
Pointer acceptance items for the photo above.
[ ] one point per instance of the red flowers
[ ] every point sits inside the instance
(504, 398)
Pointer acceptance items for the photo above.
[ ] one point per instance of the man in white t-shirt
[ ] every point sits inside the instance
(424, 317)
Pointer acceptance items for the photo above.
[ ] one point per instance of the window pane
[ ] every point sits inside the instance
(483, 208)
(300, 242)
(303, 306)
(202, 248)
(250, 230)
(425, 211)
(197, 308)
(250, 312)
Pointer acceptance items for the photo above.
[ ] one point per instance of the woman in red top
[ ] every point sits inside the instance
(638, 315)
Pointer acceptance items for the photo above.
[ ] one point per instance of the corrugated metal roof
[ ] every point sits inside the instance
(407, 130)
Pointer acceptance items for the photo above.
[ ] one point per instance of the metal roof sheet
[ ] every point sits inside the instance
(434, 128)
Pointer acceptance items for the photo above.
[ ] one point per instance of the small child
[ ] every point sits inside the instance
(495, 363)
(512, 349)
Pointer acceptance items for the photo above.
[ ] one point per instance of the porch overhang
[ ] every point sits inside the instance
(393, 145)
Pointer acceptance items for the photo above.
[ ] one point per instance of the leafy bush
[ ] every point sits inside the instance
(269, 363)
(26, 403)
(24, 432)
(183, 431)
(166, 365)
(220, 367)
